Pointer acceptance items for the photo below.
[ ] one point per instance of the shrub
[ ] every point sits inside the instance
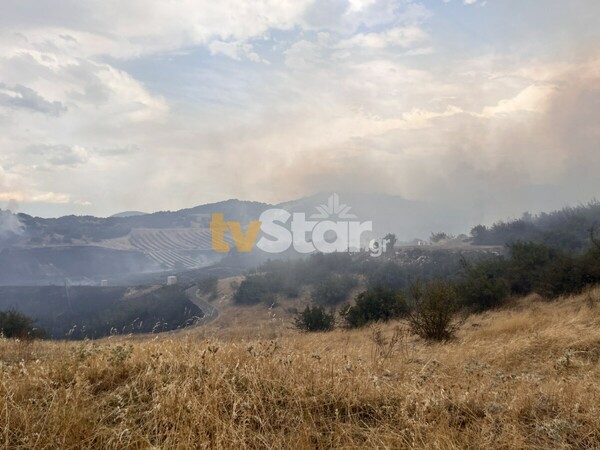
(256, 289)
(389, 274)
(439, 237)
(482, 286)
(208, 287)
(435, 309)
(14, 324)
(334, 289)
(373, 305)
(527, 261)
(314, 319)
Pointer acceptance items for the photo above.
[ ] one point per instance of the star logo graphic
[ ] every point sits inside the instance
(333, 208)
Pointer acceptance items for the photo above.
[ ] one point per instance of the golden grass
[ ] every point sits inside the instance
(524, 377)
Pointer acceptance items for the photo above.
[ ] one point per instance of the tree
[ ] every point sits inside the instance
(479, 231)
(14, 324)
(314, 319)
(391, 242)
(438, 237)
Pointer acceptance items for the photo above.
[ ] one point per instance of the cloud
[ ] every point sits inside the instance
(236, 50)
(139, 27)
(45, 197)
(59, 155)
(304, 54)
(163, 107)
(22, 97)
(394, 37)
(534, 98)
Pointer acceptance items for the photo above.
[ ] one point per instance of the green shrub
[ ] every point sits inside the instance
(374, 305)
(482, 286)
(314, 319)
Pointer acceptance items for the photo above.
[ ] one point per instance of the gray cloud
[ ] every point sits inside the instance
(58, 155)
(22, 97)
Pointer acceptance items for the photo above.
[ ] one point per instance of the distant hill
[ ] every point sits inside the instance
(86, 249)
(566, 229)
(129, 214)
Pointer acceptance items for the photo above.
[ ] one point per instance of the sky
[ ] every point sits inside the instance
(107, 106)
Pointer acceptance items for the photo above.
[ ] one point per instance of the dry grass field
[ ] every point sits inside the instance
(524, 377)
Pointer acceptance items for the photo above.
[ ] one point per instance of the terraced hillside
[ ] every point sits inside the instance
(176, 248)
(87, 249)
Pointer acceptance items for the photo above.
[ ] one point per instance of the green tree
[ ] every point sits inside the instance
(14, 324)
(314, 319)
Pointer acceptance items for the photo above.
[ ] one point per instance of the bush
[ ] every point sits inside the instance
(334, 289)
(373, 305)
(256, 289)
(208, 287)
(14, 324)
(482, 286)
(527, 261)
(389, 274)
(435, 309)
(314, 319)
(439, 237)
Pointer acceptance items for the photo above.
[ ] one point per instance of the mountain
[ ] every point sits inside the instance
(129, 214)
(86, 249)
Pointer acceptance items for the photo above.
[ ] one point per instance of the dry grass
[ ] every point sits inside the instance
(527, 377)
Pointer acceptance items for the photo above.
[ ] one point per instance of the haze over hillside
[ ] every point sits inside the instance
(139, 248)
(86, 247)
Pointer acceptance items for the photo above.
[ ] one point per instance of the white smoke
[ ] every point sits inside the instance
(10, 225)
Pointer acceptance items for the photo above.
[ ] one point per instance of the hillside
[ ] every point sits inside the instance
(124, 250)
(35, 250)
(566, 229)
(88, 312)
(128, 250)
(521, 377)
